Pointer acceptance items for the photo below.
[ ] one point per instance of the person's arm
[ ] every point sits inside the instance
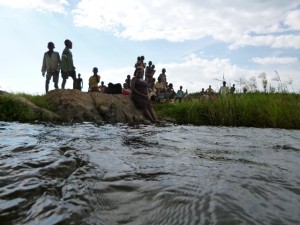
(58, 61)
(44, 68)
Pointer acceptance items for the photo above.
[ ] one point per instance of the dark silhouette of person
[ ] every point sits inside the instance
(128, 81)
(79, 83)
(51, 65)
(67, 65)
(232, 89)
(163, 77)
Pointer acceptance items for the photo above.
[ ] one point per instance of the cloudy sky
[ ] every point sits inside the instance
(198, 42)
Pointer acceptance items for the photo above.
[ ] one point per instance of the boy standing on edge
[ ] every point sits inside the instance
(51, 64)
(67, 66)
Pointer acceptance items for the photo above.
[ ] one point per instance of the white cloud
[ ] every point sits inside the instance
(238, 23)
(42, 5)
(275, 60)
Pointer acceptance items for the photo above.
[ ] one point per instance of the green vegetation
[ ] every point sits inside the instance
(12, 110)
(38, 100)
(250, 110)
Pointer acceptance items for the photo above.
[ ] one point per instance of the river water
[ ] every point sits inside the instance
(148, 174)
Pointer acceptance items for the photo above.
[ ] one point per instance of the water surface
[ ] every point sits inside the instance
(166, 174)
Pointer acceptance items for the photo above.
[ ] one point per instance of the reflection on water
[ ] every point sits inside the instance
(86, 174)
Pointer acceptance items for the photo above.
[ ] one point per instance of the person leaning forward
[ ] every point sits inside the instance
(67, 66)
(51, 64)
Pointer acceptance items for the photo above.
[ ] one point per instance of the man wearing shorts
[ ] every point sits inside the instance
(51, 64)
(67, 66)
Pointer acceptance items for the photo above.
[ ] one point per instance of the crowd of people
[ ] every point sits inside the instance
(142, 87)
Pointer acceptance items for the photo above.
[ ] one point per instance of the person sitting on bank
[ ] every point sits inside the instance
(126, 90)
(169, 93)
(140, 96)
(102, 87)
(94, 81)
(179, 95)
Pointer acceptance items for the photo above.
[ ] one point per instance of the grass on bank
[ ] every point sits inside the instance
(11, 109)
(249, 110)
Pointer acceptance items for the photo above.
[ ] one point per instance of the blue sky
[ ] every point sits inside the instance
(196, 41)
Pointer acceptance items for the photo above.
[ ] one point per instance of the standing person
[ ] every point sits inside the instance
(128, 81)
(224, 90)
(79, 83)
(163, 77)
(94, 80)
(179, 94)
(51, 64)
(140, 97)
(67, 66)
(232, 89)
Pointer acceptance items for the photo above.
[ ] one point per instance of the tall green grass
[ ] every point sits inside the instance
(250, 110)
(38, 100)
(12, 110)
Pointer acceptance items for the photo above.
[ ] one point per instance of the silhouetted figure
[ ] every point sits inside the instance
(79, 83)
(51, 65)
(128, 81)
(163, 77)
(224, 90)
(232, 89)
(67, 66)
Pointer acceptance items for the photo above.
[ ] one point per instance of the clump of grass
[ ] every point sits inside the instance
(250, 110)
(38, 100)
(11, 110)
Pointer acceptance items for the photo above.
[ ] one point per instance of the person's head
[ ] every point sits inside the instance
(68, 43)
(153, 66)
(170, 85)
(79, 75)
(138, 58)
(180, 87)
(233, 85)
(95, 70)
(102, 83)
(142, 58)
(163, 70)
(150, 63)
(128, 76)
(224, 83)
(202, 89)
(51, 46)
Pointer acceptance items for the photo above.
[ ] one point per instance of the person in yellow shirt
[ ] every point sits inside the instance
(94, 81)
